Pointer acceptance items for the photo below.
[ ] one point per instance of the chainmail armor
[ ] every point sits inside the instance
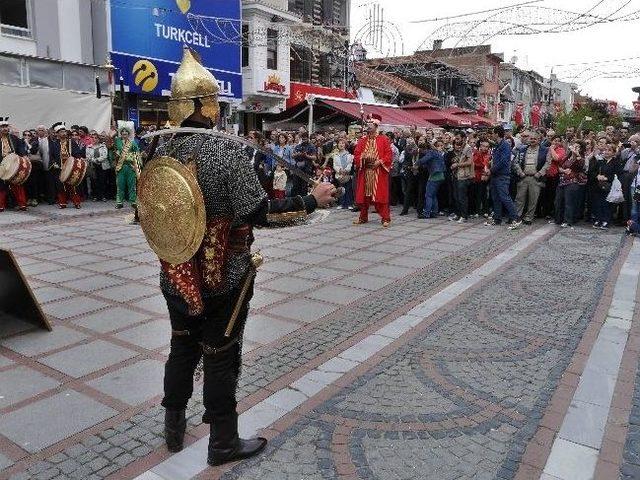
(230, 187)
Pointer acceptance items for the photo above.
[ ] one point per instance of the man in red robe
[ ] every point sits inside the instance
(372, 159)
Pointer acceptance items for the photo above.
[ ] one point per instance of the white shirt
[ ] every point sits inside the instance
(44, 151)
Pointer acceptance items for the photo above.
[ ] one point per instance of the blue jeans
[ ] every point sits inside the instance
(347, 199)
(567, 197)
(602, 207)
(501, 198)
(431, 197)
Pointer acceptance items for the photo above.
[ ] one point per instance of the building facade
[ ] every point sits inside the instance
(478, 62)
(51, 53)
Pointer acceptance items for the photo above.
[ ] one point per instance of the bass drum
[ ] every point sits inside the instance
(14, 169)
(73, 171)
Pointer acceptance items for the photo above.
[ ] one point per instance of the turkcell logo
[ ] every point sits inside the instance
(157, 30)
(181, 35)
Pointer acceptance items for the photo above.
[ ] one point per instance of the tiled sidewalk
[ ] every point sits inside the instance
(428, 350)
(100, 370)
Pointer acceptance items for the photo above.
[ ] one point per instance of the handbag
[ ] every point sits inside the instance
(615, 194)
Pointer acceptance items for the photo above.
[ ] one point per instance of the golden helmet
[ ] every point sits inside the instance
(193, 82)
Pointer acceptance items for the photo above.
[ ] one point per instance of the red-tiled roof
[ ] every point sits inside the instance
(385, 81)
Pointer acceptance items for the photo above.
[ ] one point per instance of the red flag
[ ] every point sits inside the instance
(518, 116)
(536, 114)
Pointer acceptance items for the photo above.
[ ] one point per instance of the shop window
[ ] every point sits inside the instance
(272, 49)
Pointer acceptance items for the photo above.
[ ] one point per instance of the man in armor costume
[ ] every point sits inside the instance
(11, 144)
(214, 285)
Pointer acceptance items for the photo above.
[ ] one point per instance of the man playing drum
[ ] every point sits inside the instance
(63, 148)
(11, 145)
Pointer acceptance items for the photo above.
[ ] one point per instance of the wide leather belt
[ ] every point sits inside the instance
(240, 239)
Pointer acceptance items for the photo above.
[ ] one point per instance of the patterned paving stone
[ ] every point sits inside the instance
(422, 412)
(87, 358)
(150, 335)
(73, 307)
(302, 310)
(21, 383)
(271, 362)
(34, 343)
(73, 413)
(263, 329)
(133, 384)
(109, 319)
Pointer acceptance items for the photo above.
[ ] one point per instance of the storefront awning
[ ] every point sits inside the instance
(475, 119)
(392, 116)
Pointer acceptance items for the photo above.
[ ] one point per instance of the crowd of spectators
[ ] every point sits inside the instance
(579, 176)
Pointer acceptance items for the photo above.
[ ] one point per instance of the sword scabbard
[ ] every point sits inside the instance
(256, 261)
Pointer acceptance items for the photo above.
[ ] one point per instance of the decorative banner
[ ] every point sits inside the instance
(636, 107)
(612, 107)
(518, 116)
(536, 114)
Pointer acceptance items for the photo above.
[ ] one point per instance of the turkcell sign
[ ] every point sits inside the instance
(148, 37)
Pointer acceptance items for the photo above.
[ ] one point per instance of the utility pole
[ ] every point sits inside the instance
(550, 87)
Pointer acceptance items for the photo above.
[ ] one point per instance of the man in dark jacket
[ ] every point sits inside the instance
(530, 165)
(500, 178)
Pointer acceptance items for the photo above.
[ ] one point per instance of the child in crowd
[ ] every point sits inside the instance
(279, 182)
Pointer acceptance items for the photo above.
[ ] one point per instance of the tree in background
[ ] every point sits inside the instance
(597, 111)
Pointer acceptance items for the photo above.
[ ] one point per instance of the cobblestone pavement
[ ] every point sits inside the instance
(463, 398)
(460, 398)
(97, 281)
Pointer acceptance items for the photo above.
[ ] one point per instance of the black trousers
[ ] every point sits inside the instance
(189, 337)
(409, 187)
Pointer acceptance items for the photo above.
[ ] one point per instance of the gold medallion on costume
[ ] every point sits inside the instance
(171, 209)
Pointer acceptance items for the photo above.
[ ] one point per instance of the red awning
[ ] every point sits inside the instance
(299, 92)
(476, 120)
(441, 118)
(391, 116)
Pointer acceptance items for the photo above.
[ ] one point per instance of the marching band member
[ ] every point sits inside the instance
(127, 164)
(372, 158)
(11, 144)
(60, 149)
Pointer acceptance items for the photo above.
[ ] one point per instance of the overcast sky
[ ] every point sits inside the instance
(596, 43)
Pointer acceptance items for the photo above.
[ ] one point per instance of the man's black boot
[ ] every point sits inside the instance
(226, 446)
(175, 425)
(206, 417)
